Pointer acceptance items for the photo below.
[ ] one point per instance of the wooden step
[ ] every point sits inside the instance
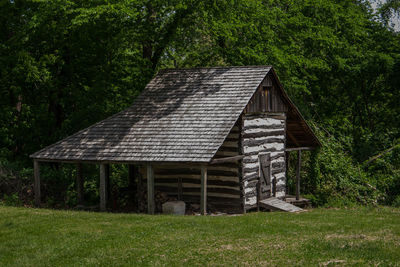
(276, 204)
(302, 202)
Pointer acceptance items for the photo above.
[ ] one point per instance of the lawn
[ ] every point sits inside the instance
(40, 237)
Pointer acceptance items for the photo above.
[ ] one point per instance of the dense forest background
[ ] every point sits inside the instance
(65, 64)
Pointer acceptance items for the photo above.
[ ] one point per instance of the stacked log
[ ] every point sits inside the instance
(183, 181)
(263, 133)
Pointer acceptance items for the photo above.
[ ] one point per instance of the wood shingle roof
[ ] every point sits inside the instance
(182, 115)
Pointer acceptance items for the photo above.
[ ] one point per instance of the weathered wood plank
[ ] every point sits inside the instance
(266, 127)
(258, 187)
(258, 141)
(188, 167)
(234, 182)
(169, 188)
(210, 199)
(103, 187)
(287, 160)
(36, 172)
(299, 148)
(263, 134)
(250, 176)
(150, 189)
(197, 176)
(79, 184)
(298, 174)
(182, 172)
(227, 159)
(108, 187)
(271, 149)
(203, 200)
(249, 159)
(209, 194)
(276, 204)
(139, 187)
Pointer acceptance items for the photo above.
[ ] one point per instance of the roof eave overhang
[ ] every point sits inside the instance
(296, 110)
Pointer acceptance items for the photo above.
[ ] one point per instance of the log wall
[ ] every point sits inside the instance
(223, 188)
(262, 132)
(267, 98)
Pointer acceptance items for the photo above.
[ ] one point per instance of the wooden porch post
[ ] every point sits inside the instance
(36, 173)
(287, 161)
(150, 189)
(258, 189)
(103, 187)
(139, 188)
(298, 175)
(108, 184)
(203, 194)
(79, 183)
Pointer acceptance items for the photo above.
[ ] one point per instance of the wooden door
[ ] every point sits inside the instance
(265, 175)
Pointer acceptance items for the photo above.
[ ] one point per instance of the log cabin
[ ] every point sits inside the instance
(218, 137)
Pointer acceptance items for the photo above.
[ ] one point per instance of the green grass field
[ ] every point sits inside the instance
(326, 237)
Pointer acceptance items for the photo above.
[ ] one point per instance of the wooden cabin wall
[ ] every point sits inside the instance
(267, 98)
(262, 133)
(223, 187)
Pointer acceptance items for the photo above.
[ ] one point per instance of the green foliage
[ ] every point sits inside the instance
(12, 200)
(386, 172)
(66, 64)
(396, 202)
(334, 179)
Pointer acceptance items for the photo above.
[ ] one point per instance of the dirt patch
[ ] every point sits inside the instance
(351, 237)
(333, 263)
(227, 247)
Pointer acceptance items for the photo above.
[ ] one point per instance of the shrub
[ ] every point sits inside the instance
(334, 179)
(396, 202)
(12, 200)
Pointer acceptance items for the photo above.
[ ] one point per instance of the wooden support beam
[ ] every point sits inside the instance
(258, 197)
(139, 188)
(203, 194)
(298, 174)
(108, 187)
(36, 173)
(299, 148)
(150, 189)
(227, 159)
(103, 187)
(79, 183)
(287, 161)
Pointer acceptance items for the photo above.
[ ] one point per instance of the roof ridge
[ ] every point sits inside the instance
(217, 67)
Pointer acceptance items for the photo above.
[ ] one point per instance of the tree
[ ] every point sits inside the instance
(66, 64)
